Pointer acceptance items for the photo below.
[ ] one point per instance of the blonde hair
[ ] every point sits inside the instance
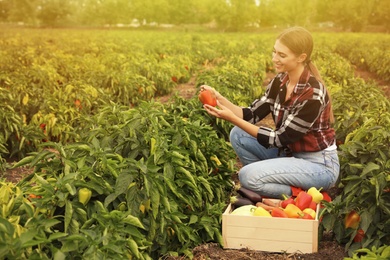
(299, 41)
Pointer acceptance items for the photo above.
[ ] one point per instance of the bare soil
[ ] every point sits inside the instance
(328, 248)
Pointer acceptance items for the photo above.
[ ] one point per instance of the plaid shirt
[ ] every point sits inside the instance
(302, 122)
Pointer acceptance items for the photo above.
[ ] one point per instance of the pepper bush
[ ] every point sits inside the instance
(159, 182)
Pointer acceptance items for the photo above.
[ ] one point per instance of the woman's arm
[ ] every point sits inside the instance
(293, 129)
(227, 114)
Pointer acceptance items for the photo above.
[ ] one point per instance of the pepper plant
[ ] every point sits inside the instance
(154, 177)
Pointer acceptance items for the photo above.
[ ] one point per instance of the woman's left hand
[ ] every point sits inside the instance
(220, 112)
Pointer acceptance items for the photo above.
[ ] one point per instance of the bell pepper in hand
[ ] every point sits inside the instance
(352, 220)
(315, 194)
(303, 200)
(293, 211)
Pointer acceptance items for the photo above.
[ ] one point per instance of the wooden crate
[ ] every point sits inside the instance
(269, 234)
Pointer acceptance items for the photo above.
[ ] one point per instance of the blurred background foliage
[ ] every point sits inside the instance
(226, 15)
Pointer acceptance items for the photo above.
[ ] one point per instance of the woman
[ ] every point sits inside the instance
(301, 150)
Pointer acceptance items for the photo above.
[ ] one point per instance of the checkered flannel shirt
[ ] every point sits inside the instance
(302, 122)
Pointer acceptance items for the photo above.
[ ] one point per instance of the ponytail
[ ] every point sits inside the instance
(313, 69)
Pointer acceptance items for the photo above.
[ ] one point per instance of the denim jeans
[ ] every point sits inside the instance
(272, 175)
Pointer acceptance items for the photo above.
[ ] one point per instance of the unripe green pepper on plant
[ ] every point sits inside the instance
(84, 195)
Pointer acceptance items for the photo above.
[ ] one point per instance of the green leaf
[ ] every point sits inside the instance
(130, 219)
(155, 200)
(27, 237)
(57, 235)
(45, 154)
(26, 160)
(6, 227)
(369, 168)
(386, 252)
(68, 215)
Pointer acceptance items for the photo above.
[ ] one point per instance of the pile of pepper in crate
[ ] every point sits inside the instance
(301, 204)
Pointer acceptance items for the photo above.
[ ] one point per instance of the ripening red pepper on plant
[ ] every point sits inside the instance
(352, 220)
(77, 103)
(359, 236)
(33, 196)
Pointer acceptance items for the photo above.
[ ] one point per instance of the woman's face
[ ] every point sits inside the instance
(284, 59)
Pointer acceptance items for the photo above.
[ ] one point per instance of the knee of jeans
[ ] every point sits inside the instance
(234, 134)
(242, 178)
(247, 180)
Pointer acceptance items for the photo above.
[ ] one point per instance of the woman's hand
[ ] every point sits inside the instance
(227, 110)
(220, 112)
(217, 95)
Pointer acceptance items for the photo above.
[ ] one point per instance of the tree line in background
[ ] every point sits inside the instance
(230, 15)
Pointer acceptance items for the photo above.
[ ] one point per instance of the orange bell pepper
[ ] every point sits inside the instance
(293, 211)
(352, 220)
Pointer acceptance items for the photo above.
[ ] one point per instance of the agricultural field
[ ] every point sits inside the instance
(114, 172)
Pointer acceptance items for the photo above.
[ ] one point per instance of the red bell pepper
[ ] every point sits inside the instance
(359, 236)
(326, 196)
(278, 213)
(306, 216)
(303, 200)
(287, 201)
(313, 205)
(295, 191)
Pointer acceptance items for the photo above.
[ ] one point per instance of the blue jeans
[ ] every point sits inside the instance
(272, 175)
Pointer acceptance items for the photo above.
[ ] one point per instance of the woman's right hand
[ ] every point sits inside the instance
(217, 95)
